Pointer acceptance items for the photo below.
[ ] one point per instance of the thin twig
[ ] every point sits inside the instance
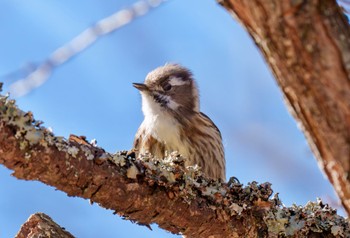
(78, 44)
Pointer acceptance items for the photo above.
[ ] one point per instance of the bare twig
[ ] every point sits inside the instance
(82, 41)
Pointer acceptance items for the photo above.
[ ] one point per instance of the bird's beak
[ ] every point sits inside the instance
(140, 86)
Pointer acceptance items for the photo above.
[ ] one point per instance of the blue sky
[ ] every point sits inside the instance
(92, 95)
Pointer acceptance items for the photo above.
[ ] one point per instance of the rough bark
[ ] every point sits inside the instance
(307, 46)
(41, 225)
(148, 191)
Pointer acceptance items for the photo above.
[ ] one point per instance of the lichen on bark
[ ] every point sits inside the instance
(149, 190)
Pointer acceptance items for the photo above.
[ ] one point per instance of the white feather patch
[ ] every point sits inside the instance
(175, 81)
(171, 103)
(162, 126)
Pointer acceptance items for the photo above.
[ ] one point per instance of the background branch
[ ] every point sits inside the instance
(81, 42)
(307, 46)
(41, 225)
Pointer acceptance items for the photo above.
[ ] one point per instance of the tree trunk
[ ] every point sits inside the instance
(307, 46)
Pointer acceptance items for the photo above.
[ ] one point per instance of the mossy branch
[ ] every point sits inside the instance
(149, 191)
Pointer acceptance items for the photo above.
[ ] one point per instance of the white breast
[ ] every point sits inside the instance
(161, 125)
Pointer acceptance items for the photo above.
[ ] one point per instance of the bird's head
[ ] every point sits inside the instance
(169, 88)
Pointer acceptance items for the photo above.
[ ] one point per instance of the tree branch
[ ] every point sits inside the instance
(307, 46)
(41, 225)
(79, 43)
(148, 191)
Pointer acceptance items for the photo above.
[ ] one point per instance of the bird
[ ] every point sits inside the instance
(173, 121)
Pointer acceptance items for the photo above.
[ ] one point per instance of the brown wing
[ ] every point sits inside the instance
(211, 123)
(138, 138)
(144, 143)
(214, 163)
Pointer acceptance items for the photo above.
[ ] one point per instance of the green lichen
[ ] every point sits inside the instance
(87, 152)
(119, 159)
(277, 221)
(73, 151)
(29, 131)
(314, 217)
(24, 122)
(188, 182)
(295, 224)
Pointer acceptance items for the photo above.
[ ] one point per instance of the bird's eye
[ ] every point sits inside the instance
(167, 87)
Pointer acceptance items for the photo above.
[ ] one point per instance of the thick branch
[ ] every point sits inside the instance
(307, 45)
(41, 225)
(149, 191)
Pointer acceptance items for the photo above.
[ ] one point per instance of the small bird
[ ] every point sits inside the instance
(173, 121)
